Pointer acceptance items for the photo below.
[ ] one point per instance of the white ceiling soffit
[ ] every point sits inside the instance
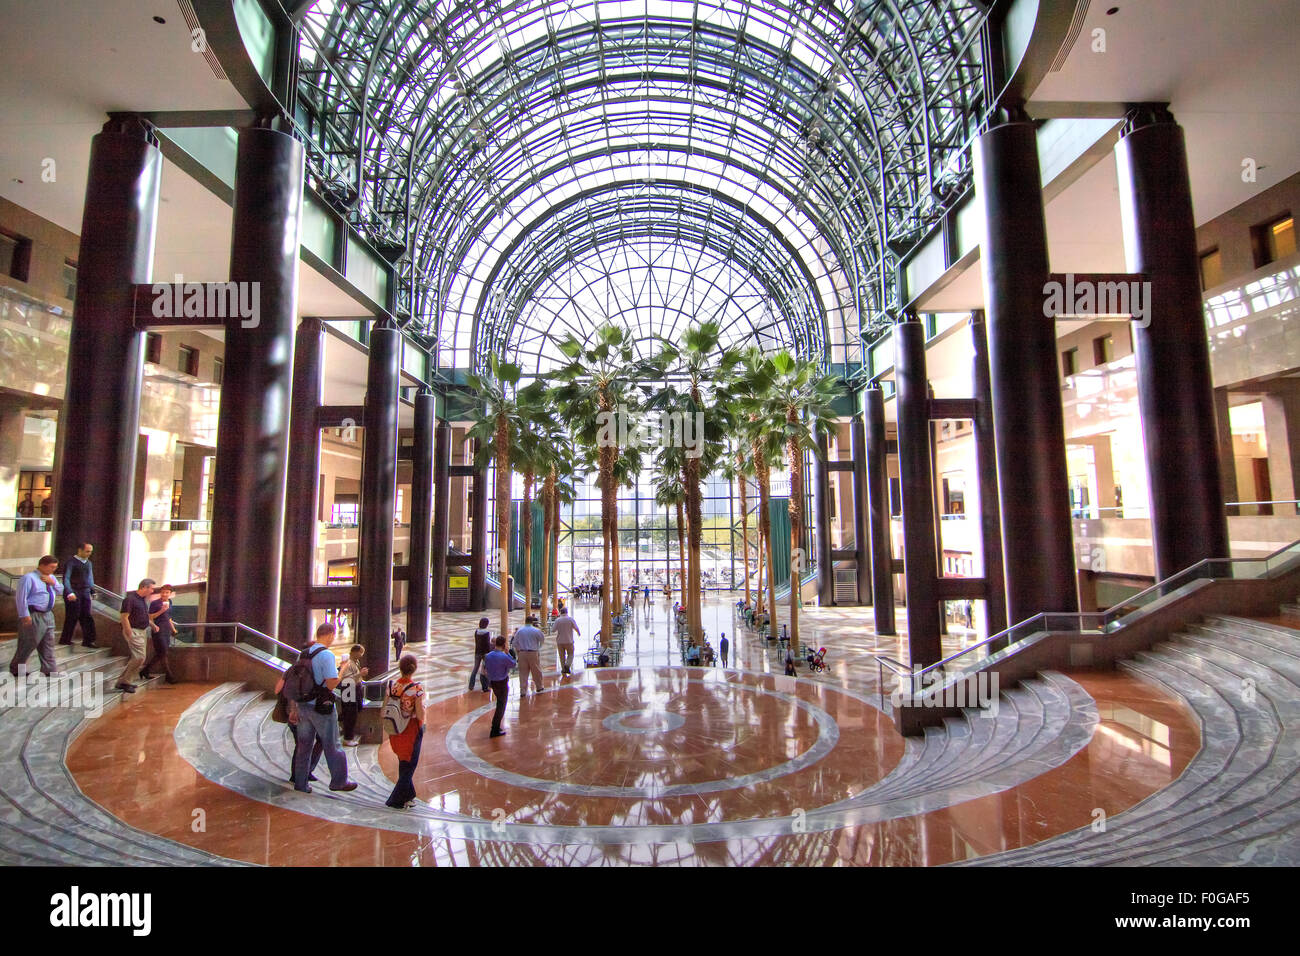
(64, 73)
(1227, 70)
(68, 63)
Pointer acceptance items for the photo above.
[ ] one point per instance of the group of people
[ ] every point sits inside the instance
(145, 615)
(493, 662)
(322, 705)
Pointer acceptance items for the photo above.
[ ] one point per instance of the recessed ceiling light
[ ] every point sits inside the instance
(159, 20)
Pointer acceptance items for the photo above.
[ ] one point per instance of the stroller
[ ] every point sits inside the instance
(817, 661)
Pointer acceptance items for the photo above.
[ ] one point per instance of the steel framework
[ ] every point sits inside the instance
(525, 162)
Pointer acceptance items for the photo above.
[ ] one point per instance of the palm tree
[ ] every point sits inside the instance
(670, 491)
(533, 450)
(737, 470)
(626, 469)
(495, 423)
(594, 390)
(705, 372)
(801, 405)
(754, 391)
(557, 487)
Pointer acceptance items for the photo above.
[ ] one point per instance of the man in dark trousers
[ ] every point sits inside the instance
(162, 631)
(723, 647)
(34, 601)
(498, 665)
(78, 592)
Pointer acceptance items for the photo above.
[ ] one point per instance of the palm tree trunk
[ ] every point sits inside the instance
(744, 528)
(555, 563)
(617, 553)
(607, 572)
(526, 522)
(765, 530)
(548, 488)
(503, 518)
(694, 510)
(795, 505)
(681, 551)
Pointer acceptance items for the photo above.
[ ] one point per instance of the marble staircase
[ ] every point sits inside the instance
(45, 819)
(1238, 801)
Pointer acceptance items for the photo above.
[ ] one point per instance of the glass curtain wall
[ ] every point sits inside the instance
(647, 531)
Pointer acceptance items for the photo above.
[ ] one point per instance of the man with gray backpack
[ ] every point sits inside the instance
(310, 683)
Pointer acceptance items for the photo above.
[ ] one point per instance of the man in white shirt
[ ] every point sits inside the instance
(565, 628)
(528, 642)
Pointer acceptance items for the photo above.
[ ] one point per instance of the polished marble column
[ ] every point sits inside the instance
(422, 472)
(378, 494)
(862, 546)
(256, 390)
(441, 512)
(916, 476)
(303, 485)
(99, 426)
(1170, 347)
(882, 551)
(1029, 425)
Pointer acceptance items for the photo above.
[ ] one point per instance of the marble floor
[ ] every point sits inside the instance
(652, 762)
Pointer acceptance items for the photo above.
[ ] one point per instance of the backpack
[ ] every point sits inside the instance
(399, 710)
(299, 680)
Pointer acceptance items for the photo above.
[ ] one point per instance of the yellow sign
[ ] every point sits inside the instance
(457, 583)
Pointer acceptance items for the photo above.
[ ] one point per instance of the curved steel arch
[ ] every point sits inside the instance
(895, 86)
(526, 267)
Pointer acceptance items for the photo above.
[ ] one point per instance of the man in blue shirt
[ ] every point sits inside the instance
(497, 665)
(313, 725)
(34, 599)
(78, 590)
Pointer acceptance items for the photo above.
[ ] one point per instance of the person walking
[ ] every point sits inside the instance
(482, 647)
(314, 725)
(137, 625)
(498, 665)
(34, 600)
(407, 740)
(528, 644)
(78, 592)
(723, 647)
(352, 691)
(565, 628)
(162, 630)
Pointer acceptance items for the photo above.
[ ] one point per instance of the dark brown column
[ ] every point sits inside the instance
(478, 541)
(378, 494)
(302, 497)
(1037, 536)
(441, 512)
(986, 469)
(422, 472)
(253, 425)
(862, 545)
(1170, 348)
(100, 422)
(882, 551)
(916, 479)
(822, 503)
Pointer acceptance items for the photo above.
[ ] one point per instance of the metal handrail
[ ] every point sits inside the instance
(1110, 617)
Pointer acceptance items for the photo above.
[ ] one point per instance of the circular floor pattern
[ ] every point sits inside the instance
(688, 725)
(646, 721)
(755, 755)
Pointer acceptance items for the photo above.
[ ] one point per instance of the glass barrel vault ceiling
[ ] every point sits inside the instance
(540, 167)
